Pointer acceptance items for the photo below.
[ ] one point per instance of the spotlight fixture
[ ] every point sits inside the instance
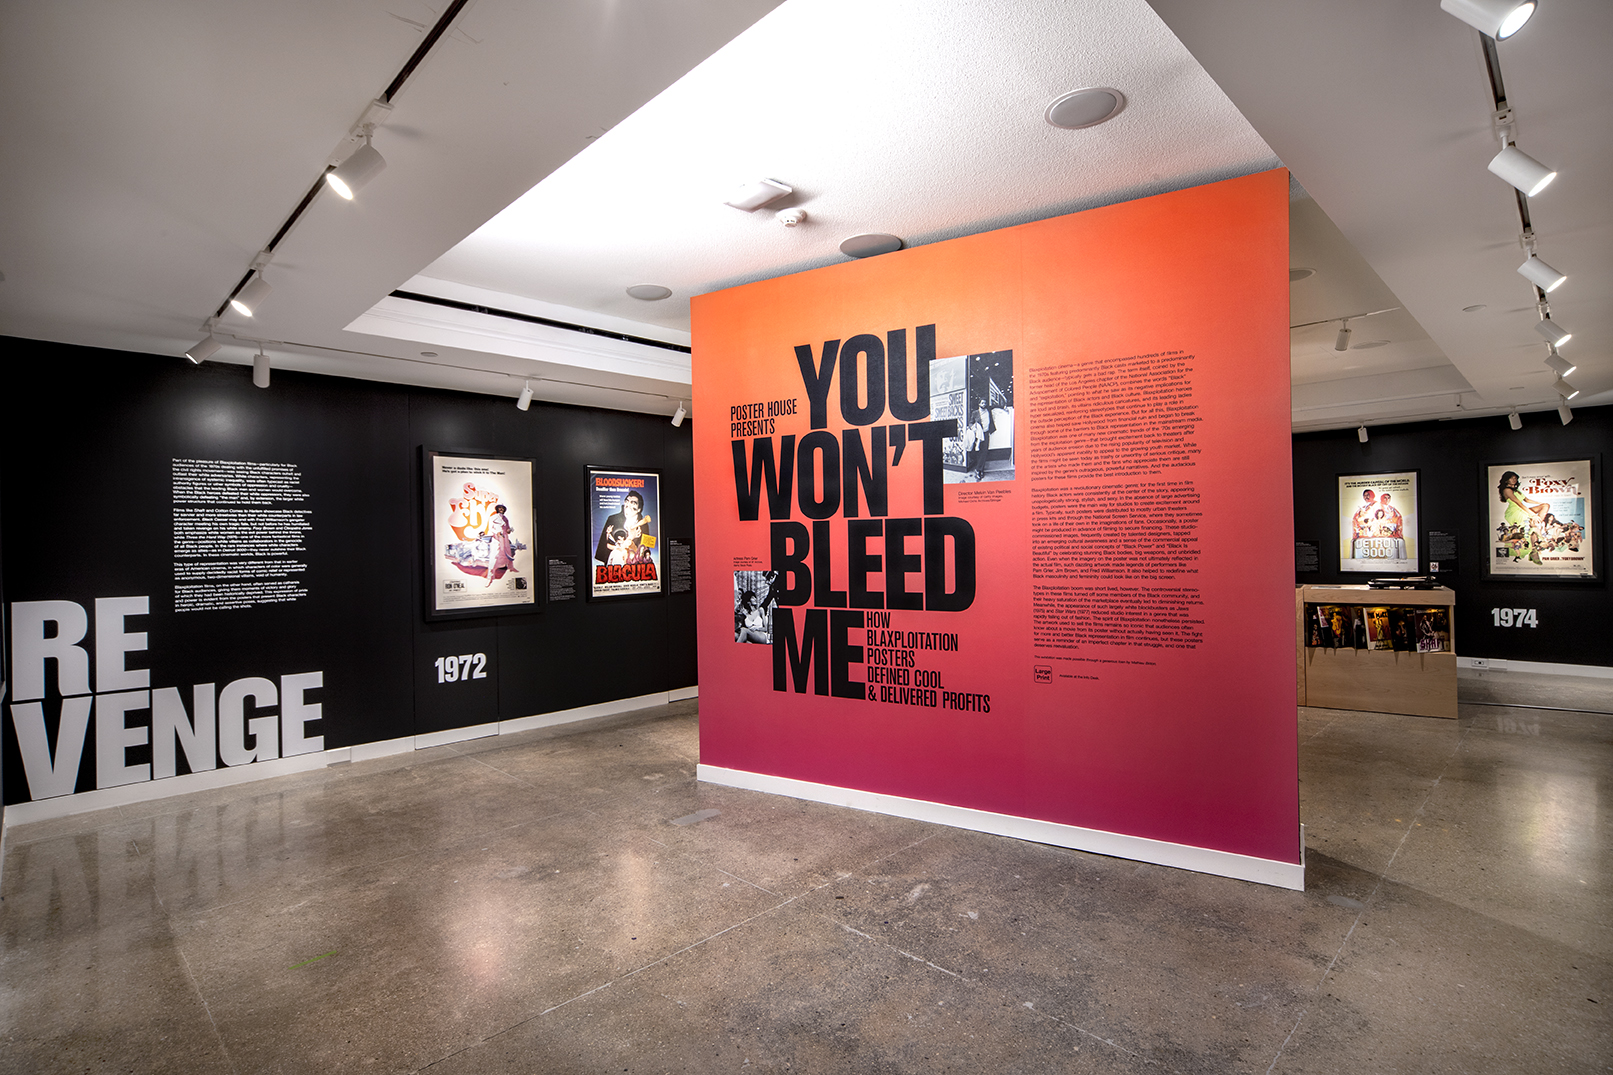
(1521, 170)
(1565, 414)
(1499, 19)
(204, 349)
(756, 194)
(1564, 389)
(649, 292)
(1540, 274)
(1342, 343)
(1559, 364)
(1085, 108)
(1361, 434)
(260, 369)
(679, 415)
(1554, 333)
(525, 399)
(1514, 419)
(251, 295)
(361, 166)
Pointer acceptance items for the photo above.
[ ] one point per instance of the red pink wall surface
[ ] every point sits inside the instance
(1138, 357)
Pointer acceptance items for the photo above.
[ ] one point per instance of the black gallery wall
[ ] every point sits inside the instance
(1572, 616)
(89, 483)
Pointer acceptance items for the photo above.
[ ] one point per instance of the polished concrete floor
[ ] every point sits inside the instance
(573, 901)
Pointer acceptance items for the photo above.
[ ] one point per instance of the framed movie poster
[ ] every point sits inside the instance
(1378, 523)
(1542, 520)
(624, 524)
(480, 535)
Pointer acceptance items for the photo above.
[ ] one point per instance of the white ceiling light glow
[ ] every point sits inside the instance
(1499, 19)
(365, 163)
(251, 295)
(1085, 108)
(1554, 333)
(1522, 170)
(1559, 364)
(203, 349)
(1540, 274)
(756, 194)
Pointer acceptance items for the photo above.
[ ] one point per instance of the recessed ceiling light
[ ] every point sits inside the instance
(866, 246)
(428, 354)
(649, 292)
(1085, 108)
(1472, 309)
(1367, 345)
(1300, 274)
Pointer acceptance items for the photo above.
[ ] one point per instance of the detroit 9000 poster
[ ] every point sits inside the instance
(1378, 523)
(479, 558)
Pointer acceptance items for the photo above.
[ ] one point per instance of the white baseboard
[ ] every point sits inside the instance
(455, 735)
(148, 790)
(1545, 668)
(381, 749)
(683, 694)
(1290, 875)
(584, 712)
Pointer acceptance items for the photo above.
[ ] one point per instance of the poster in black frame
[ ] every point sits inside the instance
(1546, 524)
(1377, 534)
(480, 524)
(622, 508)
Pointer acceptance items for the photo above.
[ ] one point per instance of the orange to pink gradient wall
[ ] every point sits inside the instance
(1085, 621)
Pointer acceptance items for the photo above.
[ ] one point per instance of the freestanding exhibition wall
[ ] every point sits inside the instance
(1007, 520)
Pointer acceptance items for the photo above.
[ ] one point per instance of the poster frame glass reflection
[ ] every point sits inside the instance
(621, 540)
(479, 516)
(1379, 523)
(1546, 524)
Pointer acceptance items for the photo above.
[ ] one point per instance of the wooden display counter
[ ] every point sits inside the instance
(1383, 681)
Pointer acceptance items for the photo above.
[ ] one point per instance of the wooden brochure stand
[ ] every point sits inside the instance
(1383, 681)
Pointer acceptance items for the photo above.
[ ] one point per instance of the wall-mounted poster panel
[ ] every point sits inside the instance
(1542, 520)
(1378, 522)
(994, 532)
(624, 507)
(480, 523)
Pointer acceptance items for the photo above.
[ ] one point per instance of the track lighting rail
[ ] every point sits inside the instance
(385, 100)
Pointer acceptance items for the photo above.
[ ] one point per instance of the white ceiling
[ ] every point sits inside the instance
(546, 156)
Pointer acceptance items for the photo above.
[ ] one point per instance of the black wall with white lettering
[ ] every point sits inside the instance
(1571, 621)
(90, 513)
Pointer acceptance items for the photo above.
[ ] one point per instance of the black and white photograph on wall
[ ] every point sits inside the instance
(624, 508)
(756, 595)
(481, 525)
(1378, 523)
(977, 391)
(1541, 520)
